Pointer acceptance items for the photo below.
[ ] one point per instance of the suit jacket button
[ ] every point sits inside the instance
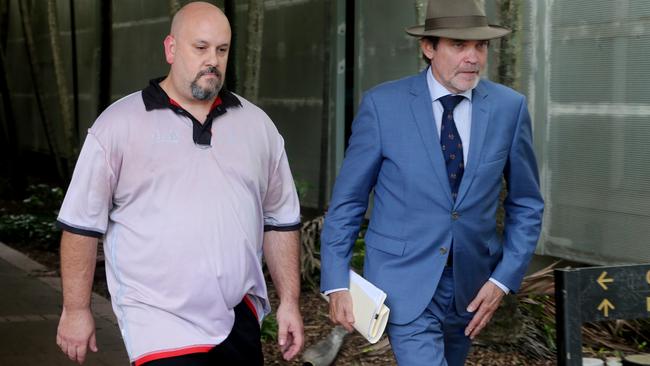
(443, 250)
(455, 215)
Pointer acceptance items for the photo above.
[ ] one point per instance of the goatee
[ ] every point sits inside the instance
(212, 90)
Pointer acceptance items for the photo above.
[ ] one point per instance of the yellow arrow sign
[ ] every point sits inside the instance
(602, 280)
(605, 306)
(648, 300)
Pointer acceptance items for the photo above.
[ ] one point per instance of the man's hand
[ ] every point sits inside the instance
(487, 301)
(290, 330)
(282, 253)
(76, 333)
(341, 309)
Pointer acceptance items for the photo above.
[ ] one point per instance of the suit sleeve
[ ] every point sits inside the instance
(523, 205)
(349, 202)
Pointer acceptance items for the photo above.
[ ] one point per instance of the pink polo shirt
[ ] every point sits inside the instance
(183, 223)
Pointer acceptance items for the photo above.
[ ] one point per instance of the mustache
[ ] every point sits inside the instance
(209, 70)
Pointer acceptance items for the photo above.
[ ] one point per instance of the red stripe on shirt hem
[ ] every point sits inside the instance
(193, 349)
(173, 353)
(251, 306)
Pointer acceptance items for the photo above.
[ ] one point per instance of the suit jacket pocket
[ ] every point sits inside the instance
(495, 157)
(385, 244)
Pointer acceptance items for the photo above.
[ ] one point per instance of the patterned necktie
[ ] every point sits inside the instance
(452, 146)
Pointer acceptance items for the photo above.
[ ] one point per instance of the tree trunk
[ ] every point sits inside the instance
(508, 69)
(10, 159)
(61, 82)
(105, 55)
(4, 23)
(8, 121)
(326, 111)
(75, 84)
(8, 137)
(35, 74)
(231, 70)
(420, 14)
(252, 65)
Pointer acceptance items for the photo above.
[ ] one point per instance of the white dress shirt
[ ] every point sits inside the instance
(463, 121)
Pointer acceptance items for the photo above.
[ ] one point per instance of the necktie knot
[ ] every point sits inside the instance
(449, 102)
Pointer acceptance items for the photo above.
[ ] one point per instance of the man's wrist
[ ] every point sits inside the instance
(503, 287)
(329, 292)
(290, 301)
(76, 307)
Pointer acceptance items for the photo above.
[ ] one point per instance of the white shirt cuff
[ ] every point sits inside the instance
(500, 285)
(326, 293)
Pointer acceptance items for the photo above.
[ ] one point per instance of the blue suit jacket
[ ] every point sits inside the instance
(394, 148)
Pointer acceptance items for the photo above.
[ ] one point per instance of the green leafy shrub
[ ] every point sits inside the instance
(269, 328)
(43, 199)
(32, 223)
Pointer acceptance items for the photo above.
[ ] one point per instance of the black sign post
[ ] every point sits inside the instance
(593, 294)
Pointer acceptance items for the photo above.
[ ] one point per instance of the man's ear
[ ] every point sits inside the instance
(170, 48)
(427, 48)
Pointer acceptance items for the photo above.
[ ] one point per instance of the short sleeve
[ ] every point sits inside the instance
(89, 197)
(281, 206)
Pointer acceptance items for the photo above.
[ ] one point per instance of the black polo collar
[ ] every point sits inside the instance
(154, 97)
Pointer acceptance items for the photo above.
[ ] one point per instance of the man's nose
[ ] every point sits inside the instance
(213, 58)
(471, 56)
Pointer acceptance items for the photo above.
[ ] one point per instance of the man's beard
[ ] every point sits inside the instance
(201, 93)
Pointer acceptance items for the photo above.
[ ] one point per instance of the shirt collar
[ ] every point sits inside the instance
(154, 97)
(437, 91)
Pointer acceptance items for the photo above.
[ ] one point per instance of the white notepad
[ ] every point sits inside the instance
(370, 312)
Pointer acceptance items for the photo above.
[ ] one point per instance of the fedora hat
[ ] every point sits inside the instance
(457, 19)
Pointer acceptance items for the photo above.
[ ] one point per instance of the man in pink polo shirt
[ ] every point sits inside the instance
(189, 185)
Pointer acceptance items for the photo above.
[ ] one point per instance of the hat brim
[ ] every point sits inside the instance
(467, 34)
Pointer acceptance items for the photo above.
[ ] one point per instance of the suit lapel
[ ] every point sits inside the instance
(480, 114)
(421, 107)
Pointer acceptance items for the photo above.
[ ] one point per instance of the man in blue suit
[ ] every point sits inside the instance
(434, 147)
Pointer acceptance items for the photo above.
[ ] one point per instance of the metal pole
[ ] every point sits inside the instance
(568, 318)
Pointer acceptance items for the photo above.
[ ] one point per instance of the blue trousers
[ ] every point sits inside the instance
(437, 336)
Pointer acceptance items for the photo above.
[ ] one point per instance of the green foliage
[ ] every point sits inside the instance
(43, 199)
(550, 334)
(535, 309)
(640, 335)
(32, 223)
(359, 249)
(358, 253)
(28, 229)
(269, 328)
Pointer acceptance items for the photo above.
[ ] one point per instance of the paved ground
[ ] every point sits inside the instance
(30, 306)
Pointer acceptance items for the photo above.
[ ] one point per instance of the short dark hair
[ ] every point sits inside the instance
(434, 41)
